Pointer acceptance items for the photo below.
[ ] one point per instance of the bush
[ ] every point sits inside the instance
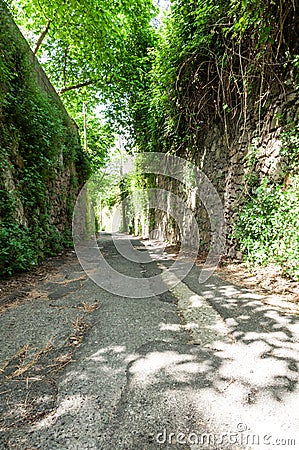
(17, 249)
(268, 227)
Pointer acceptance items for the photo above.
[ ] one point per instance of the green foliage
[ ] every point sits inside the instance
(17, 249)
(212, 62)
(38, 144)
(97, 43)
(95, 52)
(106, 184)
(268, 227)
(290, 149)
(215, 62)
(99, 136)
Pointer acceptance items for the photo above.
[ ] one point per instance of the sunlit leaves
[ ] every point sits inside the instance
(96, 40)
(102, 48)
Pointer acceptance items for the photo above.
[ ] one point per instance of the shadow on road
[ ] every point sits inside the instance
(136, 381)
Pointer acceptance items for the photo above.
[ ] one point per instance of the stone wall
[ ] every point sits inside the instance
(227, 161)
(42, 164)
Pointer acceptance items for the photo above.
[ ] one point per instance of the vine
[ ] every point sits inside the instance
(216, 61)
(267, 227)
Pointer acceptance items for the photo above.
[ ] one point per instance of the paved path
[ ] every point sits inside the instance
(197, 367)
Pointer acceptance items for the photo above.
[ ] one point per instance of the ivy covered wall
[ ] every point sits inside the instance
(42, 165)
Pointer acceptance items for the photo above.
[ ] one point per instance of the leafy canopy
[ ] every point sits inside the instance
(86, 41)
(94, 51)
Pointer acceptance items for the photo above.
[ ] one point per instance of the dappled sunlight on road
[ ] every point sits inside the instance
(157, 365)
(230, 359)
(249, 379)
(70, 405)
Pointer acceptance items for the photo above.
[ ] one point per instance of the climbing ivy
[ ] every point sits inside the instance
(214, 61)
(38, 142)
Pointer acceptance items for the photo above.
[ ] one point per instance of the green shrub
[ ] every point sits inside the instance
(17, 249)
(268, 227)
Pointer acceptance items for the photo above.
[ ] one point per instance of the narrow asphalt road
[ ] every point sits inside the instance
(199, 366)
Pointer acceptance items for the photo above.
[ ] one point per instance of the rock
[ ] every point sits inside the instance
(239, 256)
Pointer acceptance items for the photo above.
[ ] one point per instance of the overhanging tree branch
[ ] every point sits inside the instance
(42, 37)
(76, 86)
